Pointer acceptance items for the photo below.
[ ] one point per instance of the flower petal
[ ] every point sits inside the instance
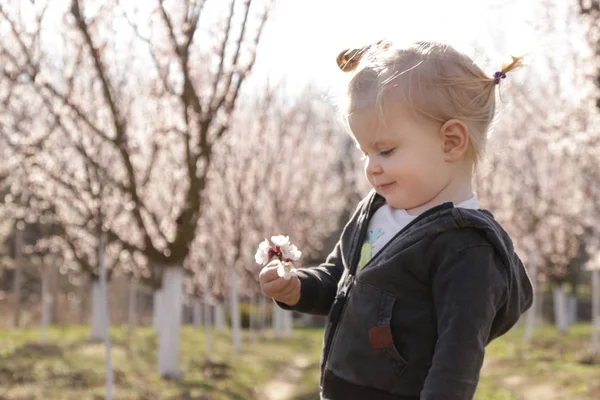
(281, 271)
(286, 270)
(264, 245)
(280, 240)
(293, 253)
(260, 257)
(262, 254)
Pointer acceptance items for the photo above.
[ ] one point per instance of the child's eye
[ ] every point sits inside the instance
(385, 153)
(364, 155)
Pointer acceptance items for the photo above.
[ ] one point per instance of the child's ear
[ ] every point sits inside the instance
(455, 139)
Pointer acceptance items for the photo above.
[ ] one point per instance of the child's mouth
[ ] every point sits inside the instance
(386, 185)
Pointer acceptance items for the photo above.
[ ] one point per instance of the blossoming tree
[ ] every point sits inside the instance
(537, 176)
(164, 90)
(269, 178)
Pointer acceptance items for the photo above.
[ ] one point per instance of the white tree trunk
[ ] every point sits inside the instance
(132, 309)
(571, 309)
(560, 309)
(595, 310)
(532, 313)
(253, 326)
(288, 323)
(197, 315)
(82, 294)
(219, 317)
(236, 326)
(47, 300)
(251, 315)
(207, 324)
(97, 318)
(105, 319)
(157, 309)
(276, 321)
(54, 291)
(171, 312)
(540, 307)
(18, 280)
(262, 312)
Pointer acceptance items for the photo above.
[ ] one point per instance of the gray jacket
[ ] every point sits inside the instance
(414, 324)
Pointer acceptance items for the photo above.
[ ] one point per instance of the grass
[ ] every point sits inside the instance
(72, 367)
(561, 361)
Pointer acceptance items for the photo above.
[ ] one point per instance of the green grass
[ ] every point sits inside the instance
(72, 367)
(555, 359)
(561, 361)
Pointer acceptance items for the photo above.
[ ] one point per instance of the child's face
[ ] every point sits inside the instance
(405, 158)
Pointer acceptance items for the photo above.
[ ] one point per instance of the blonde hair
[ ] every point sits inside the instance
(434, 79)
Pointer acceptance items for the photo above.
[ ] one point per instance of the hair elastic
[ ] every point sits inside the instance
(499, 75)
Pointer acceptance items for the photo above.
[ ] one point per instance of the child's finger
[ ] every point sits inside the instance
(276, 287)
(268, 274)
(290, 291)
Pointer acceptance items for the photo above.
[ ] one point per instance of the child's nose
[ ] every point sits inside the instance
(373, 167)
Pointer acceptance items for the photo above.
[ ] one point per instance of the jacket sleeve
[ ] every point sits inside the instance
(469, 287)
(319, 285)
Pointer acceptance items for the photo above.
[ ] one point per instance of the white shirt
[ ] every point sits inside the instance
(387, 221)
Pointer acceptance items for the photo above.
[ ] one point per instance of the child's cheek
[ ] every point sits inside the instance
(395, 161)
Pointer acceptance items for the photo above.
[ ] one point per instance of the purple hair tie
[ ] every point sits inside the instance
(499, 75)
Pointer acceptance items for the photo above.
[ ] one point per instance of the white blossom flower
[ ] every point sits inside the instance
(291, 252)
(262, 254)
(280, 240)
(282, 255)
(286, 270)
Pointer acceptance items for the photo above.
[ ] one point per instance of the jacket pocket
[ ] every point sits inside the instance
(363, 351)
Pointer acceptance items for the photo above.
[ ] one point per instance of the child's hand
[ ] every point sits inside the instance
(286, 291)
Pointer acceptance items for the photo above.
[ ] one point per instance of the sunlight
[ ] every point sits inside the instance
(303, 38)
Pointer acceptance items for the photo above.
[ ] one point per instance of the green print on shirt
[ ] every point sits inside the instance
(366, 252)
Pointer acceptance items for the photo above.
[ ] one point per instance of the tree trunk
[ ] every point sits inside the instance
(540, 307)
(560, 309)
(106, 320)
(595, 310)
(532, 313)
(18, 280)
(236, 326)
(82, 293)
(54, 292)
(97, 318)
(262, 307)
(253, 326)
(171, 312)
(288, 323)
(207, 324)
(157, 309)
(571, 309)
(46, 301)
(276, 321)
(197, 315)
(132, 309)
(219, 317)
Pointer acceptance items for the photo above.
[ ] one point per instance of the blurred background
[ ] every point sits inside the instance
(147, 147)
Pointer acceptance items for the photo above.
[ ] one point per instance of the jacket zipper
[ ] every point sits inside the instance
(340, 299)
(338, 311)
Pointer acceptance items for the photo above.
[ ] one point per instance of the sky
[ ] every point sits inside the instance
(304, 36)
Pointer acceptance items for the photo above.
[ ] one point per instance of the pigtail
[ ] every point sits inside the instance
(349, 59)
(516, 63)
